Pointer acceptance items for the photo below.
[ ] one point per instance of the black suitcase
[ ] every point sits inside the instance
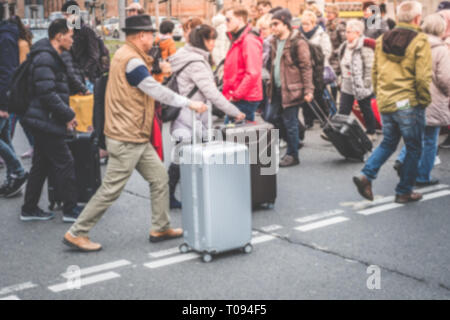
(263, 162)
(345, 134)
(85, 151)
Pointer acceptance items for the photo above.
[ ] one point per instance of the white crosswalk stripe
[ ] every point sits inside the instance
(84, 282)
(321, 224)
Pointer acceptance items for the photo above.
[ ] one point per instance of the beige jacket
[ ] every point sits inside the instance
(438, 113)
(128, 110)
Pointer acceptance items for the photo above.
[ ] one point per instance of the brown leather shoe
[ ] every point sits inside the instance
(81, 243)
(364, 187)
(406, 198)
(166, 235)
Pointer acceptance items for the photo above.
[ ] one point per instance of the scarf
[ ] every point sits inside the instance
(309, 34)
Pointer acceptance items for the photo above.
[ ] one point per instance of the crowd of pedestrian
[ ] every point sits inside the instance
(270, 67)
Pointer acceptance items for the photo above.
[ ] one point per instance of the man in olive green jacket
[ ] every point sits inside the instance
(401, 75)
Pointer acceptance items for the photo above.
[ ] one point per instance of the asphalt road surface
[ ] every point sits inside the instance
(321, 241)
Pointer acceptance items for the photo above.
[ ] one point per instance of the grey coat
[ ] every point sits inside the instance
(438, 113)
(361, 68)
(198, 73)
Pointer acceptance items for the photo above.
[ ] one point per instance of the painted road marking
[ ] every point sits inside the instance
(17, 287)
(262, 239)
(99, 268)
(10, 298)
(84, 282)
(319, 216)
(321, 224)
(271, 228)
(172, 260)
(163, 253)
(193, 255)
(391, 206)
(379, 209)
(435, 195)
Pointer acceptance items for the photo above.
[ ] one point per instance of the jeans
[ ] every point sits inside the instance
(407, 124)
(247, 107)
(366, 108)
(288, 124)
(7, 153)
(429, 152)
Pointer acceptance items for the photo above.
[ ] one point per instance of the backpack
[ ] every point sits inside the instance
(317, 60)
(18, 94)
(155, 53)
(170, 113)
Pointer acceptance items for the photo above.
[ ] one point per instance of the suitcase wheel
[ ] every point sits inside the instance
(207, 257)
(184, 248)
(248, 248)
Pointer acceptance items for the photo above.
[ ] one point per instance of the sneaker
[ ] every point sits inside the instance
(437, 161)
(72, 216)
(36, 215)
(283, 144)
(446, 143)
(289, 161)
(28, 154)
(174, 203)
(15, 186)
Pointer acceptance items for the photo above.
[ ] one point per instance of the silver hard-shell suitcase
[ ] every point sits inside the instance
(216, 197)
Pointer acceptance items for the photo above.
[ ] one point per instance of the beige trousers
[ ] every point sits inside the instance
(124, 157)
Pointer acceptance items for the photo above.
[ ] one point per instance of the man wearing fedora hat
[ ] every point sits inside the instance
(129, 110)
(134, 9)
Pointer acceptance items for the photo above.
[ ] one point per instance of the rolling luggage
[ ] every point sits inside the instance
(215, 192)
(357, 112)
(344, 133)
(264, 157)
(84, 148)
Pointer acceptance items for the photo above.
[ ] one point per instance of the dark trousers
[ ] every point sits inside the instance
(288, 124)
(365, 106)
(52, 157)
(174, 178)
(308, 114)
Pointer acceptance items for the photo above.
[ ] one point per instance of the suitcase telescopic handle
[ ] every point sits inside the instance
(194, 125)
(320, 114)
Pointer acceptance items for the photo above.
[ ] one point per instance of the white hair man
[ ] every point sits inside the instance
(401, 75)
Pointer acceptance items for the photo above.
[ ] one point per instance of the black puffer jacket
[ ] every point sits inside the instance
(49, 109)
(74, 73)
